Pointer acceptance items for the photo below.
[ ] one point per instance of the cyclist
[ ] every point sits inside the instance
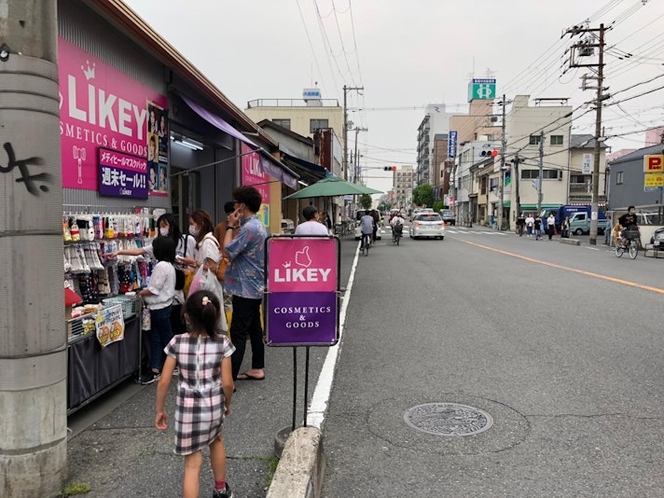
(367, 224)
(376, 217)
(627, 221)
(397, 224)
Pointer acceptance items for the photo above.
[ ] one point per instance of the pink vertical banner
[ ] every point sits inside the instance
(253, 174)
(100, 106)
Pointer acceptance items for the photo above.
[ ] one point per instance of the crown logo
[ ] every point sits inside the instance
(286, 265)
(89, 72)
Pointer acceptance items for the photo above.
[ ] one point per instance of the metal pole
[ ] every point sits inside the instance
(33, 340)
(516, 178)
(503, 147)
(541, 173)
(294, 387)
(598, 133)
(345, 160)
(306, 383)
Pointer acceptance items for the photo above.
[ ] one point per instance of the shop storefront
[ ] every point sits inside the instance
(142, 133)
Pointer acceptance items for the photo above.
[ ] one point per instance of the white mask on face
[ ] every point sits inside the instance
(163, 232)
(193, 231)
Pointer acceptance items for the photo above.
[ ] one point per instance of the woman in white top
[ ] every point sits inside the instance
(207, 254)
(530, 224)
(158, 296)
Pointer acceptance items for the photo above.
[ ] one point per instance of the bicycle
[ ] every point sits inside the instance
(396, 234)
(632, 246)
(366, 243)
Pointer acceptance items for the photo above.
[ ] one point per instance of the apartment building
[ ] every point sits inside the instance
(404, 178)
(436, 121)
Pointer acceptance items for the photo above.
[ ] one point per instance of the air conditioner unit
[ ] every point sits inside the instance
(560, 175)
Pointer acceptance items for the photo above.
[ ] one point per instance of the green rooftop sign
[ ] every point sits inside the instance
(482, 89)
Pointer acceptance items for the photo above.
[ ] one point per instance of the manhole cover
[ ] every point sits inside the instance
(448, 419)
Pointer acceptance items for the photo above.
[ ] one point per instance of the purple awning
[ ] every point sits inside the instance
(269, 165)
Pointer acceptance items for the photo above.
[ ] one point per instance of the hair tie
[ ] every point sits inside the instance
(205, 300)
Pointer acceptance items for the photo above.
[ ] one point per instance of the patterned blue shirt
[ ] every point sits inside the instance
(245, 275)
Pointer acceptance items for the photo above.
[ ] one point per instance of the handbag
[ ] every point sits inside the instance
(223, 262)
(183, 278)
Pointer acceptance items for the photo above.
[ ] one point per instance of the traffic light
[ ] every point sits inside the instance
(389, 168)
(489, 153)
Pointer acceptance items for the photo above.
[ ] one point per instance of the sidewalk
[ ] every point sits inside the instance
(115, 448)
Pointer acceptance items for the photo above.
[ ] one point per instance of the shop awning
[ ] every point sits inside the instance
(268, 163)
(314, 168)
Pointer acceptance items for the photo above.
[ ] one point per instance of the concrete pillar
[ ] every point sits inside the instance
(33, 342)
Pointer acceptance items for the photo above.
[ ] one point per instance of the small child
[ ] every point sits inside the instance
(158, 296)
(204, 391)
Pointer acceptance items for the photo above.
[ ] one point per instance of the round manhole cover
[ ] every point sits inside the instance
(448, 419)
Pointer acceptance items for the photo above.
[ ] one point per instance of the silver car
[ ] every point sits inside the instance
(427, 225)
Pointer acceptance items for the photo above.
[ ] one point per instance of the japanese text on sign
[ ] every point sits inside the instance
(121, 175)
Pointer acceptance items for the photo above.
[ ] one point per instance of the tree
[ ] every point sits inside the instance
(423, 195)
(438, 205)
(365, 201)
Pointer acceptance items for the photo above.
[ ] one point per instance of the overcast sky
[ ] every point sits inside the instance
(409, 53)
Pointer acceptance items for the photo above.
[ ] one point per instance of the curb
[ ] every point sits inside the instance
(572, 242)
(301, 468)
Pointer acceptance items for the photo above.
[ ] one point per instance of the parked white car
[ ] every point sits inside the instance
(427, 225)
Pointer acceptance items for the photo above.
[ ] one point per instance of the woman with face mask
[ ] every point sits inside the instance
(185, 246)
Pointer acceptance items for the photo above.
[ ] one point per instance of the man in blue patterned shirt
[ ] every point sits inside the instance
(245, 280)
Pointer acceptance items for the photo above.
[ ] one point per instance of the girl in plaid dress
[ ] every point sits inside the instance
(204, 392)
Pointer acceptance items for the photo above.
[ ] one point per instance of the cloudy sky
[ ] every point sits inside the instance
(410, 53)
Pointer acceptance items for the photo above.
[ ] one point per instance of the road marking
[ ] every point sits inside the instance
(319, 401)
(592, 248)
(658, 290)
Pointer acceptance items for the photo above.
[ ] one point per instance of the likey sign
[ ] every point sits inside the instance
(302, 283)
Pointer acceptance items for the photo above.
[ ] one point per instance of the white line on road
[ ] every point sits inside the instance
(592, 248)
(321, 397)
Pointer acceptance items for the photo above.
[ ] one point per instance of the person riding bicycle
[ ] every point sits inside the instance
(367, 224)
(627, 222)
(397, 224)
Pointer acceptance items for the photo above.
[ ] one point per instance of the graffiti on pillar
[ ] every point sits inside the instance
(30, 181)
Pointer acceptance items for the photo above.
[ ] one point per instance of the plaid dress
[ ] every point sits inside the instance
(200, 401)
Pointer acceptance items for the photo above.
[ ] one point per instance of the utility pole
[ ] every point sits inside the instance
(356, 164)
(586, 48)
(515, 177)
(541, 172)
(33, 341)
(346, 90)
(503, 151)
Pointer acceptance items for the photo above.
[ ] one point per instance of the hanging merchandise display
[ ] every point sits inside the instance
(104, 322)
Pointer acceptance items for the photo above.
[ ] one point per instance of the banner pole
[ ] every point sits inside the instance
(294, 386)
(306, 384)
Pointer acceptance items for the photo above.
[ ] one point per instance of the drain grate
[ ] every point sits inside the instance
(448, 419)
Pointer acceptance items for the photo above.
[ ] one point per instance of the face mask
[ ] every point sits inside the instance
(163, 232)
(193, 231)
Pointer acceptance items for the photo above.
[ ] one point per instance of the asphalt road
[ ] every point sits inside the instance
(561, 345)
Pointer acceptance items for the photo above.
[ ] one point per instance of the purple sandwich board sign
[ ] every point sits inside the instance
(302, 303)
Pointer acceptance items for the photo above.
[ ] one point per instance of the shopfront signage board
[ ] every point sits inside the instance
(302, 303)
(122, 175)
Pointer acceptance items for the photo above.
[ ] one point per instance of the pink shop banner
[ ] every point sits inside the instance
(253, 174)
(100, 106)
(302, 265)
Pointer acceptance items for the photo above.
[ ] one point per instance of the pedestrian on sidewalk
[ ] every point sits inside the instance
(564, 228)
(550, 225)
(245, 280)
(520, 224)
(530, 224)
(205, 389)
(538, 227)
(158, 297)
(607, 230)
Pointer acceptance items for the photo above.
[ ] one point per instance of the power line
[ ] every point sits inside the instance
(311, 46)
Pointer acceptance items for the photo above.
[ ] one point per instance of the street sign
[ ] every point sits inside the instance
(587, 164)
(653, 182)
(653, 163)
(535, 183)
(452, 138)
